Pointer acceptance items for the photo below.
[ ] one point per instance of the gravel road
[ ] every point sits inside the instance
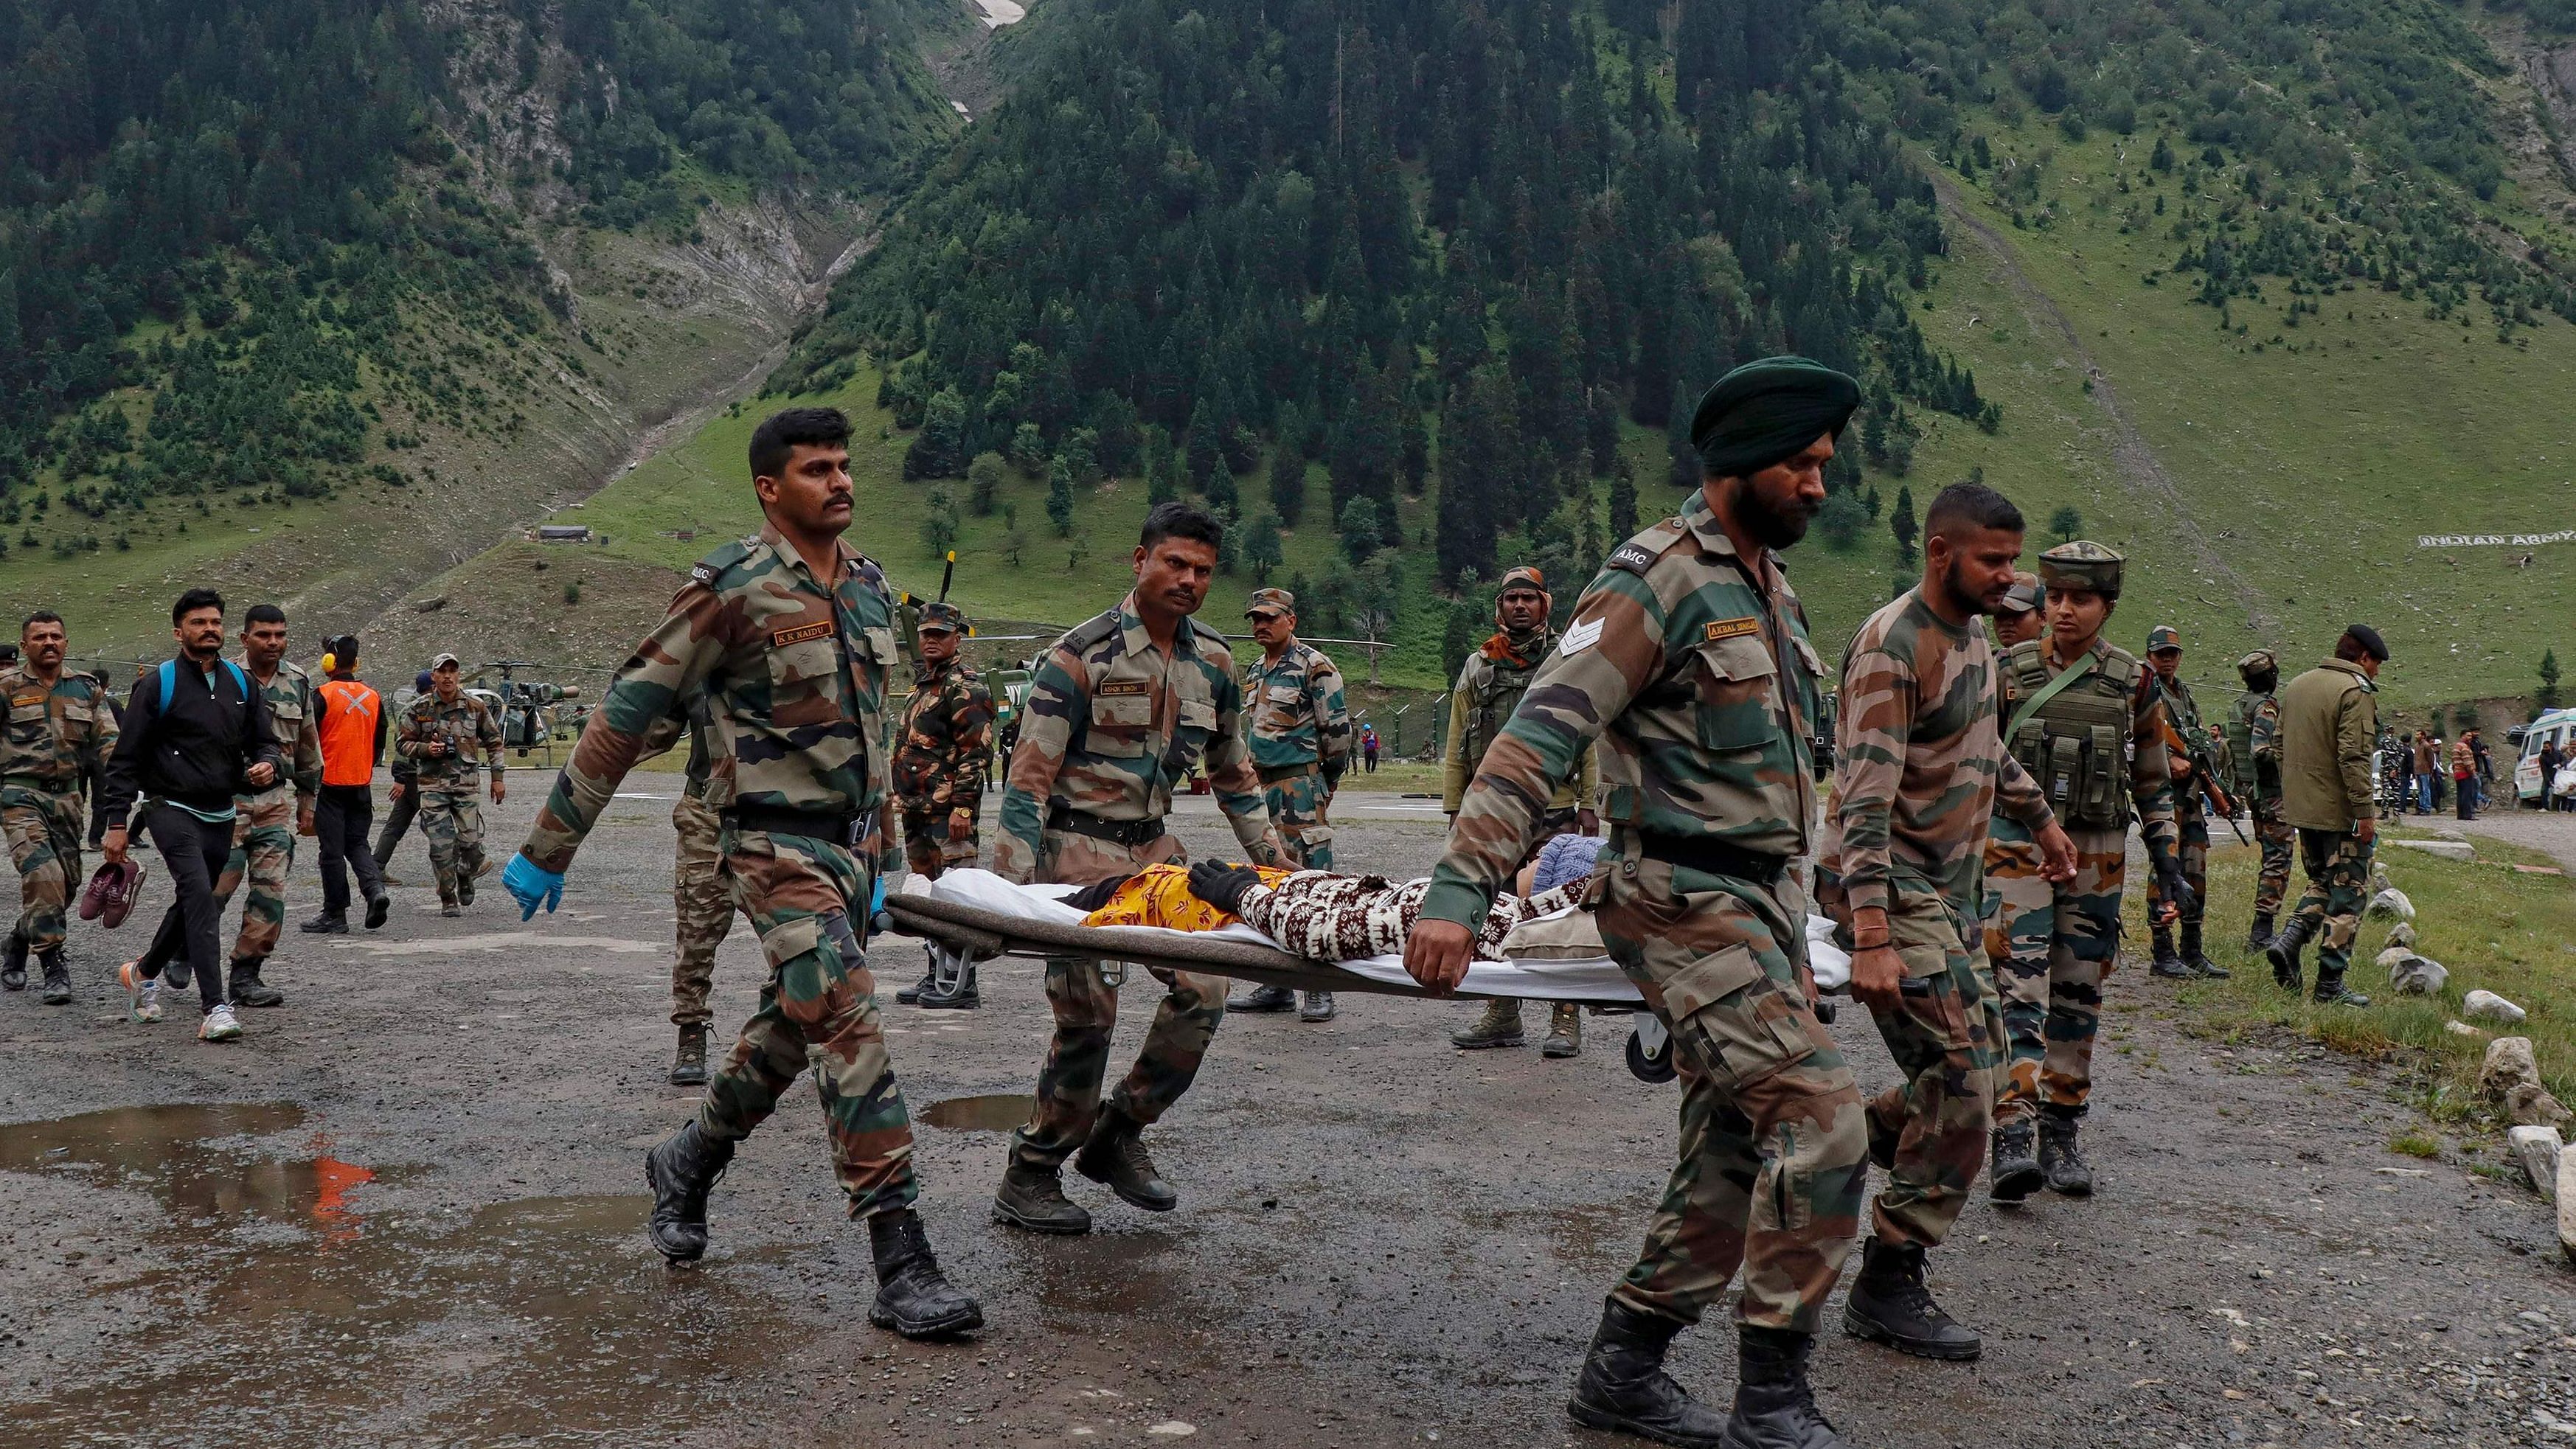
(408, 1208)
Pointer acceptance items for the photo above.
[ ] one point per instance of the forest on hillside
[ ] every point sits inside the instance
(225, 227)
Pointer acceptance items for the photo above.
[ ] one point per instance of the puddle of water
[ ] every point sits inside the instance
(277, 1300)
(1000, 1113)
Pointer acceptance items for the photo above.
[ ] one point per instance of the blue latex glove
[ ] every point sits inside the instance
(878, 921)
(531, 886)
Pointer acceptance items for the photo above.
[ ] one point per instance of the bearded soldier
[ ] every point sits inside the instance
(2087, 721)
(943, 745)
(1301, 744)
(1688, 657)
(2191, 819)
(2254, 742)
(1489, 688)
(60, 731)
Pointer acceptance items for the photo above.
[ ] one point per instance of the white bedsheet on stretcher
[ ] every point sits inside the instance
(1595, 979)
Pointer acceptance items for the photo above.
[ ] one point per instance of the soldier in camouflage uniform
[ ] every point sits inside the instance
(2087, 721)
(265, 824)
(943, 746)
(60, 730)
(1922, 773)
(788, 634)
(1119, 711)
(2254, 741)
(701, 903)
(1688, 657)
(1301, 744)
(2329, 742)
(2191, 821)
(1488, 689)
(441, 731)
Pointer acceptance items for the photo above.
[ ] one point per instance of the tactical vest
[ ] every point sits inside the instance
(2239, 730)
(1494, 690)
(2077, 744)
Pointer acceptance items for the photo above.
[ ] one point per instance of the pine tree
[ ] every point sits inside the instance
(1623, 501)
(2547, 698)
(1360, 528)
(1288, 478)
(1904, 526)
(2066, 523)
(1059, 503)
(1261, 546)
(984, 483)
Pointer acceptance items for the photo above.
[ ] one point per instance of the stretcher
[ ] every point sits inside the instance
(975, 915)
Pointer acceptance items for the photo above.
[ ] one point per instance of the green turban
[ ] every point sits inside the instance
(1766, 411)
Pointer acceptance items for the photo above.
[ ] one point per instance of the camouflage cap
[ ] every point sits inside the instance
(445, 661)
(1271, 601)
(2164, 637)
(2024, 596)
(2084, 565)
(941, 619)
(2258, 662)
(1526, 576)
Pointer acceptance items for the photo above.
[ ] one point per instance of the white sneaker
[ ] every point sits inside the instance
(219, 1025)
(142, 993)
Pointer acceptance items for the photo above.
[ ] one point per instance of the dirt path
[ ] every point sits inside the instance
(407, 1208)
(2135, 463)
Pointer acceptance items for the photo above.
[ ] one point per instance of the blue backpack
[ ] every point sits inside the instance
(169, 680)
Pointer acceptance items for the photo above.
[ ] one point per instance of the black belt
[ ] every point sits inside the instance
(1129, 833)
(1713, 857)
(1272, 775)
(832, 825)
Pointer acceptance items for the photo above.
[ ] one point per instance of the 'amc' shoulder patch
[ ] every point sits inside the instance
(819, 629)
(1631, 557)
(1732, 629)
(702, 573)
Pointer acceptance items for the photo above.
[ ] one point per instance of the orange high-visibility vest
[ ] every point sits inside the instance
(349, 711)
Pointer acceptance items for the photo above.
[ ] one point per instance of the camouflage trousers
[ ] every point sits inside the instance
(2191, 820)
(1947, 1038)
(43, 829)
(1297, 809)
(1773, 1146)
(1086, 1011)
(2337, 865)
(701, 908)
(2051, 946)
(263, 850)
(818, 1008)
(452, 822)
(928, 851)
(2279, 842)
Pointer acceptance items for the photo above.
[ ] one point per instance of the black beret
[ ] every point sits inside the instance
(2369, 640)
(1769, 410)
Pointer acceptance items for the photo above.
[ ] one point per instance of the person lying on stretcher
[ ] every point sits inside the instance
(1332, 918)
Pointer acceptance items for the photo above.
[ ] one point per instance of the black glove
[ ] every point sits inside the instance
(1222, 885)
(2177, 891)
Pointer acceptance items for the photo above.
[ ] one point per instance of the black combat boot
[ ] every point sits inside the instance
(246, 989)
(58, 981)
(914, 1298)
(378, 907)
(689, 1059)
(2012, 1173)
(1033, 1198)
(2197, 959)
(911, 995)
(2332, 992)
(2260, 935)
(957, 995)
(2283, 951)
(1774, 1408)
(1115, 1157)
(1262, 998)
(681, 1172)
(326, 923)
(2058, 1157)
(1624, 1388)
(1890, 1305)
(2166, 962)
(13, 967)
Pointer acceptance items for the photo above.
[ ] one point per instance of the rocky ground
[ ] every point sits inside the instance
(408, 1208)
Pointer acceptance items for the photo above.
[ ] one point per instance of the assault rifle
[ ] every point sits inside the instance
(2204, 773)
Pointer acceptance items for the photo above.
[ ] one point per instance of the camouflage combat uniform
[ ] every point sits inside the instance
(2055, 943)
(701, 903)
(451, 816)
(1922, 771)
(1702, 687)
(1301, 744)
(794, 675)
(1112, 723)
(2255, 735)
(2329, 738)
(2191, 812)
(56, 736)
(1489, 687)
(942, 747)
(264, 823)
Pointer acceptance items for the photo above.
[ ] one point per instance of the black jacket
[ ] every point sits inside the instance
(197, 751)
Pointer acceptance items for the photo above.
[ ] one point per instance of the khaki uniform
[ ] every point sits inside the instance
(2329, 744)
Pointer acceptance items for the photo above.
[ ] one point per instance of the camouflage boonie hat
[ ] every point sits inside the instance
(2258, 662)
(2024, 595)
(946, 618)
(2164, 637)
(2084, 565)
(1271, 601)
